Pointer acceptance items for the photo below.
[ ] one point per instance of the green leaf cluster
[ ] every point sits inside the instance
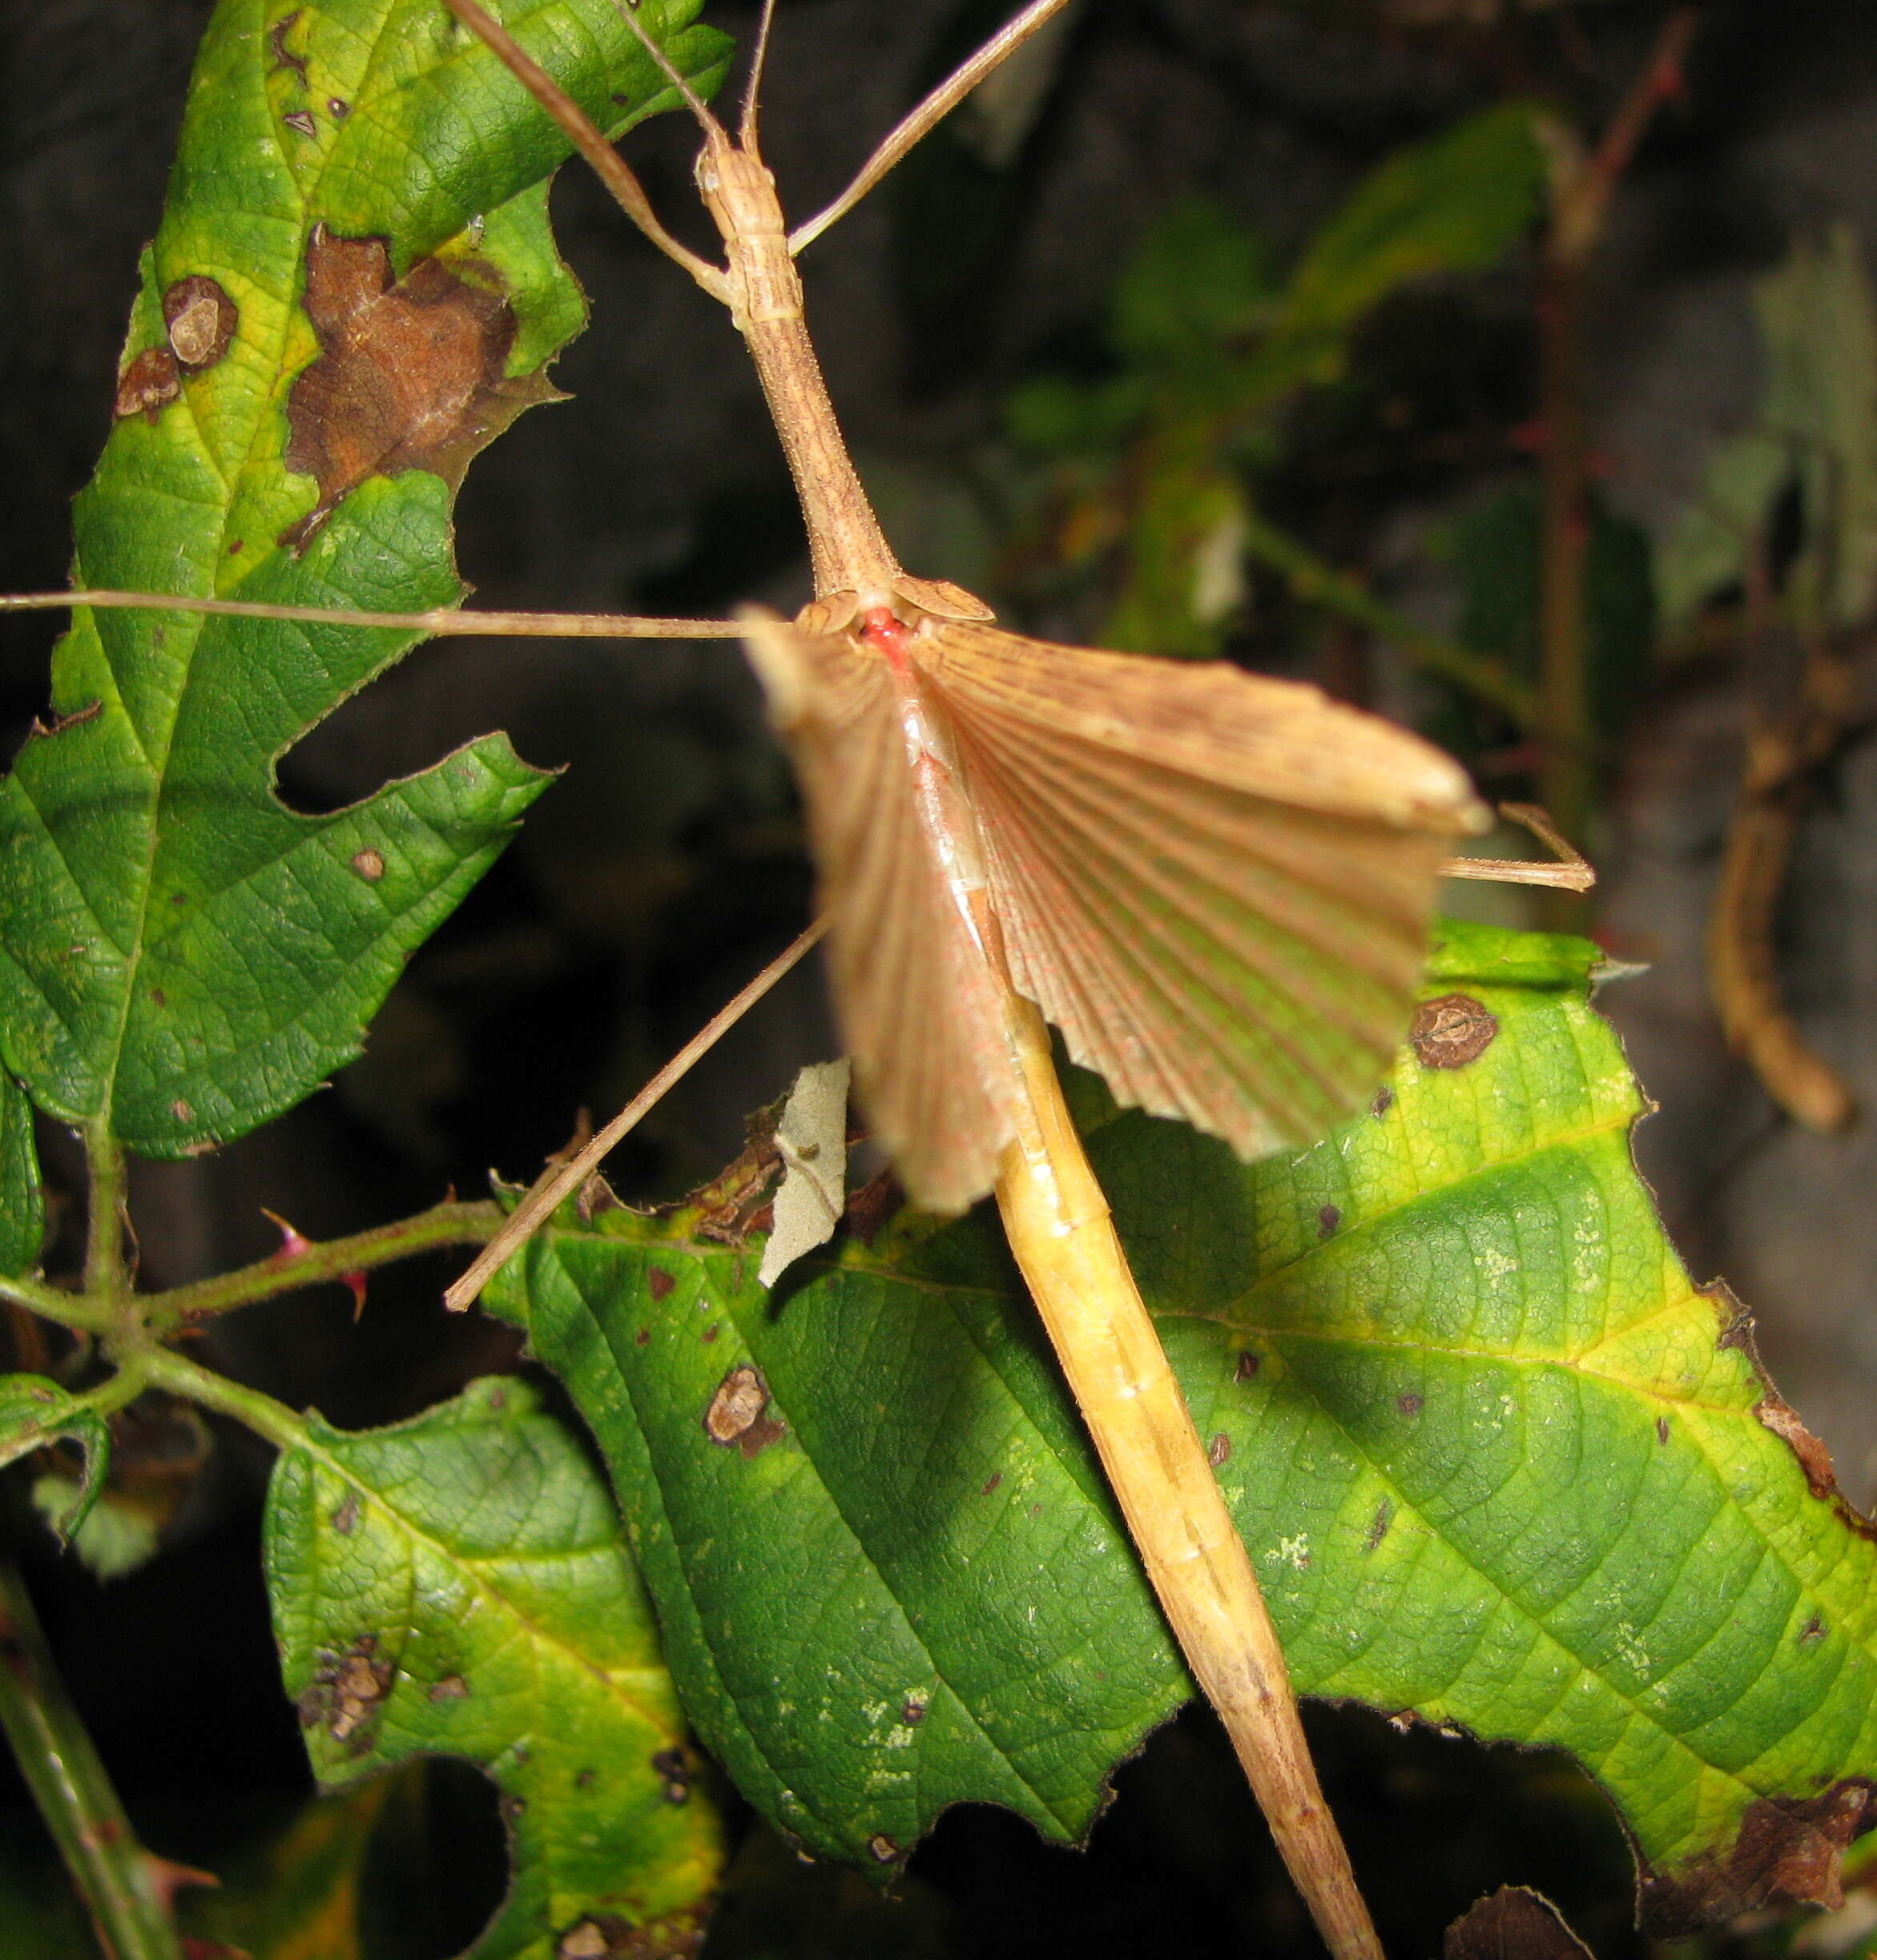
(1158, 460)
(1816, 432)
(1502, 1464)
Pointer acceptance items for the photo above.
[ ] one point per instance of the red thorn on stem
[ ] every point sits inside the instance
(355, 1279)
(293, 1245)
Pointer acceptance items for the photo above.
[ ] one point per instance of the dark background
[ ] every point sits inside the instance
(665, 867)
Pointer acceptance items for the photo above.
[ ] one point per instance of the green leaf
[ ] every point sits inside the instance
(1453, 204)
(22, 1197)
(1498, 1461)
(459, 1585)
(181, 957)
(35, 1411)
(1193, 284)
(1818, 423)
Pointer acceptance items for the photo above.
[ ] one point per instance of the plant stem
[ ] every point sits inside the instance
(105, 1274)
(68, 1310)
(273, 1421)
(1318, 582)
(304, 1262)
(123, 1887)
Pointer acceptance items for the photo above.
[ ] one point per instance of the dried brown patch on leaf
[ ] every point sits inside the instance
(147, 386)
(201, 319)
(1512, 1924)
(410, 374)
(737, 1413)
(1788, 1852)
(346, 1692)
(1450, 1031)
(605, 1936)
(1773, 1412)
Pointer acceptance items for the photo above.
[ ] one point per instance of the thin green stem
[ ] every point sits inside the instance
(105, 1276)
(272, 1420)
(1318, 582)
(68, 1310)
(301, 1262)
(126, 1889)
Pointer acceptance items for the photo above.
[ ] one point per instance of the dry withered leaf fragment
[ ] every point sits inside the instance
(1788, 1852)
(410, 375)
(201, 319)
(1512, 1924)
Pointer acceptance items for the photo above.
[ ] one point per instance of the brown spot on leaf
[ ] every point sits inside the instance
(605, 1936)
(338, 108)
(585, 1779)
(300, 122)
(182, 1110)
(1812, 1631)
(912, 1710)
(345, 1518)
(1512, 1924)
(1246, 1370)
(1410, 1404)
(277, 41)
(369, 865)
(587, 1941)
(1662, 1429)
(642, 1338)
(672, 1767)
(1787, 1853)
(1378, 1529)
(1218, 1452)
(883, 1848)
(158, 998)
(201, 319)
(1326, 1222)
(409, 374)
(149, 385)
(990, 1483)
(736, 1413)
(1450, 1031)
(59, 723)
(710, 1334)
(1384, 1101)
(346, 1690)
(658, 1283)
(452, 1687)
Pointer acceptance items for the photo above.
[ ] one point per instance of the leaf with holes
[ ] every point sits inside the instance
(1498, 1461)
(353, 290)
(459, 1585)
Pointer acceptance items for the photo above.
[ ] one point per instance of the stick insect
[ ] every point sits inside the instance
(1216, 885)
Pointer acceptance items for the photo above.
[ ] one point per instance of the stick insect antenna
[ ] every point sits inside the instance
(585, 136)
(931, 112)
(746, 128)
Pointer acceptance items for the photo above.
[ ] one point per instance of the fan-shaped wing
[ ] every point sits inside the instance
(1216, 885)
(918, 1013)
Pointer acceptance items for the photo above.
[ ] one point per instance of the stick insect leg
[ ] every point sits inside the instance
(444, 622)
(919, 122)
(585, 136)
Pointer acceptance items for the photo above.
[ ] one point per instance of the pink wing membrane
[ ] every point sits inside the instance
(918, 1014)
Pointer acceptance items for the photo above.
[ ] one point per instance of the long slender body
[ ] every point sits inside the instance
(1054, 1212)
(1062, 1233)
